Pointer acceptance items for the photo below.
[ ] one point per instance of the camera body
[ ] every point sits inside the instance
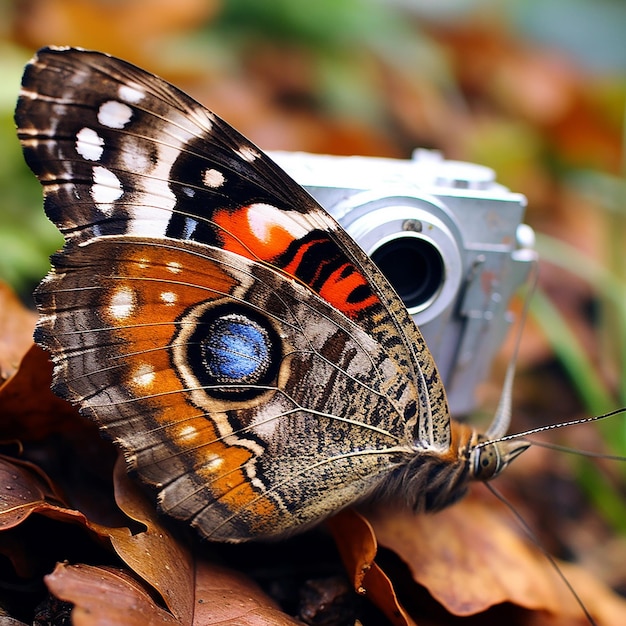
(448, 237)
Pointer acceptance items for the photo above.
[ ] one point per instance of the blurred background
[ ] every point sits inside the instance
(534, 89)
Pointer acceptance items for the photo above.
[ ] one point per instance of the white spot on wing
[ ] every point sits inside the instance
(187, 432)
(106, 188)
(144, 375)
(213, 462)
(168, 297)
(174, 267)
(89, 144)
(213, 178)
(114, 114)
(248, 154)
(122, 303)
(130, 94)
(262, 218)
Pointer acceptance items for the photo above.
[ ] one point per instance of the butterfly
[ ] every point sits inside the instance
(251, 361)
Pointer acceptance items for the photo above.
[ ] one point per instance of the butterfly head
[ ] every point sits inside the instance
(489, 458)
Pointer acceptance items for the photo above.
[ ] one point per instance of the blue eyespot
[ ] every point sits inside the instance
(232, 350)
(236, 349)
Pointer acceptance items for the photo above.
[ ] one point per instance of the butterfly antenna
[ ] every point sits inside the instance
(502, 418)
(533, 537)
(542, 429)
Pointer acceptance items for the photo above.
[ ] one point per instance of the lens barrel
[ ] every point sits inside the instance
(414, 267)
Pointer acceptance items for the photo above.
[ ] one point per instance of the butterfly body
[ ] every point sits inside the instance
(253, 364)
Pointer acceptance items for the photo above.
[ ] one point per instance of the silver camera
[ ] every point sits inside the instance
(447, 236)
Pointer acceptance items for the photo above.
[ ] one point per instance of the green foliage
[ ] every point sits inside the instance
(26, 237)
(596, 393)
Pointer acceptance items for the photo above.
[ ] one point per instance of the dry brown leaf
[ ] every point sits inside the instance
(357, 546)
(105, 596)
(380, 591)
(356, 543)
(33, 547)
(16, 331)
(456, 555)
(225, 596)
(29, 409)
(156, 555)
(470, 558)
(25, 489)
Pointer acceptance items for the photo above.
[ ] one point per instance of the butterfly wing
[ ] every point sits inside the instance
(130, 163)
(247, 434)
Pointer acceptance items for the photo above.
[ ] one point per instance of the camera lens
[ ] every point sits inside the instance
(414, 267)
